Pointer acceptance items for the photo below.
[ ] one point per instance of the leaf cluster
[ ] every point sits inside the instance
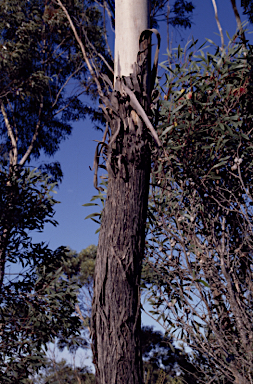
(37, 301)
(200, 239)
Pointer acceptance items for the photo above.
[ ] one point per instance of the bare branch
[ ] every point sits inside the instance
(86, 59)
(238, 19)
(106, 8)
(105, 34)
(30, 148)
(14, 155)
(98, 54)
(66, 82)
(80, 315)
(168, 25)
(110, 15)
(218, 24)
(68, 104)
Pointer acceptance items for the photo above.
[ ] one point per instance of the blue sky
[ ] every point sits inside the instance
(77, 152)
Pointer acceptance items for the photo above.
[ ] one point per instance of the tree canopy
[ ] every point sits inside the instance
(41, 70)
(39, 58)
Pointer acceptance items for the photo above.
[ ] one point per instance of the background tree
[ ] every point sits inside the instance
(163, 362)
(38, 59)
(62, 373)
(79, 269)
(37, 303)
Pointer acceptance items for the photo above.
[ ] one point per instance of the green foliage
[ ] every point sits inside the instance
(80, 270)
(26, 204)
(100, 197)
(207, 114)
(39, 56)
(82, 265)
(200, 238)
(37, 303)
(181, 14)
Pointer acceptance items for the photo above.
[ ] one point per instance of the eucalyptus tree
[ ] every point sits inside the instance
(128, 104)
(162, 362)
(116, 321)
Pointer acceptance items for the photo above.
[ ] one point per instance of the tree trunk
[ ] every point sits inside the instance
(116, 316)
(116, 320)
(131, 18)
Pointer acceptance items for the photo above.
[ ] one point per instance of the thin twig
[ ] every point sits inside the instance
(99, 54)
(105, 33)
(14, 156)
(218, 24)
(66, 82)
(80, 315)
(87, 61)
(168, 25)
(30, 148)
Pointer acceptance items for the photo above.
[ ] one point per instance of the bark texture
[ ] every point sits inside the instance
(116, 319)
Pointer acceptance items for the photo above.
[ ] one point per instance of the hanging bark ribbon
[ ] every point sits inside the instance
(124, 106)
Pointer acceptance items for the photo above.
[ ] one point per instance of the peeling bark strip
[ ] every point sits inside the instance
(116, 318)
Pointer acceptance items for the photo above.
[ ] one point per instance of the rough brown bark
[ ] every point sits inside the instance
(116, 318)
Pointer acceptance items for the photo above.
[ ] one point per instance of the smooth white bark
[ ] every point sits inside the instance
(131, 18)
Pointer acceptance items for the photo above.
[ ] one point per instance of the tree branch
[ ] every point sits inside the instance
(30, 148)
(106, 8)
(66, 82)
(218, 24)
(87, 61)
(238, 19)
(99, 54)
(14, 156)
